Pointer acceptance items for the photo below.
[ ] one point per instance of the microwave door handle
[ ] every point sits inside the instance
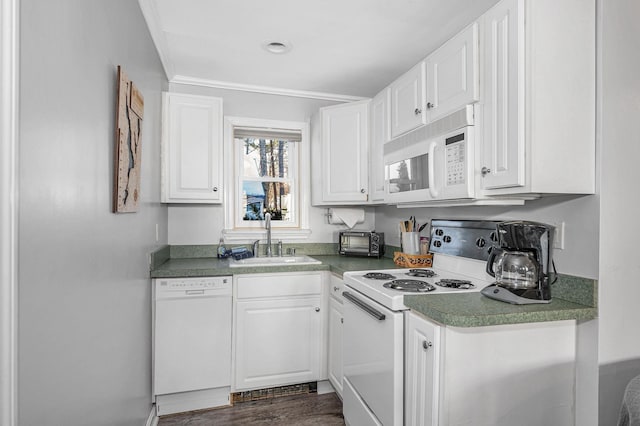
(432, 171)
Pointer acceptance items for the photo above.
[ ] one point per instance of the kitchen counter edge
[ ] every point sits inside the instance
(211, 266)
(457, 310)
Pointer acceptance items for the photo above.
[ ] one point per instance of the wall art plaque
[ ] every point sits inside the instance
(129, 114)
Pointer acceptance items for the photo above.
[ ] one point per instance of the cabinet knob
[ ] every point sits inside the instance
(362, 191)
(426, 345)
(341, 320)
(430, 105)
(336, 288)
(417, 111)
(317, 309)
(485, 171)
(215, 189)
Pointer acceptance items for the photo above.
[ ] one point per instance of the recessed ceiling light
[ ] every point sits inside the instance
(277, 46)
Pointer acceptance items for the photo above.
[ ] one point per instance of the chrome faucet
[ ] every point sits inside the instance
(267, 225)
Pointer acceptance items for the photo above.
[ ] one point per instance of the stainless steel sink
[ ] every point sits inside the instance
(273, 261)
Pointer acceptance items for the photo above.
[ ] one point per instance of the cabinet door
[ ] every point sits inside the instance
(335, 344)
(407, 101)
(452, 74)
(422, 371)
(278, 342)
(379, 136)
(503, 159)
(345, 158)
(192, 149)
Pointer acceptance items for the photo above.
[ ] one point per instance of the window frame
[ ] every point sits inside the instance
(232, 184)
(294, 178)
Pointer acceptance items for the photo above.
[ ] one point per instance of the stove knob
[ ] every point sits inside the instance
(375, 238)
(481, 242)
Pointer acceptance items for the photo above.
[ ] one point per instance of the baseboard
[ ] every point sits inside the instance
(325, 386)
(152, 420)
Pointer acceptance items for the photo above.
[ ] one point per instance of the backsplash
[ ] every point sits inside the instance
(210, 250)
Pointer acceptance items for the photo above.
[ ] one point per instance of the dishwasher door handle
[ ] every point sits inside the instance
(193, 292)
(365, 307)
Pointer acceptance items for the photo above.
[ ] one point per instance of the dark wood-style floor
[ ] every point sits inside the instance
(303, 410)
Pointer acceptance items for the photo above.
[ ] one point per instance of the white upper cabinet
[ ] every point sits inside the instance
(340, 161)
(538, 102)
(452, 74)
(408, 101)
(379, 136)
(503, 83)
(191, 149)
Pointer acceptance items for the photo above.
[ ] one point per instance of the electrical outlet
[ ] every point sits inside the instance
(558, 241)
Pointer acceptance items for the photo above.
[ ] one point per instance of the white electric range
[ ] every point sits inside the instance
(373, 342)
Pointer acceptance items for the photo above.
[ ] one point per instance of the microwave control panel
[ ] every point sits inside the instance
(455, 153)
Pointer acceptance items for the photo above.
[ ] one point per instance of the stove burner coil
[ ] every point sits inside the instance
(378, 276)
(426, 273)
(409, 285)
(451, 283)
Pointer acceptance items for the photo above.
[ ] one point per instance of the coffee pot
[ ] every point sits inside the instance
(521, 263)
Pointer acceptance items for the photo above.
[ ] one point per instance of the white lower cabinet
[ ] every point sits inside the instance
(334, 349)
(495, 375)
(422, 346)
(278, 323)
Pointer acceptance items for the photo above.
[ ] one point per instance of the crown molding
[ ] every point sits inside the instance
(150, 14)
(193, 81)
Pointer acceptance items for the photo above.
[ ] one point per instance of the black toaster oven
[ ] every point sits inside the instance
(361, 243)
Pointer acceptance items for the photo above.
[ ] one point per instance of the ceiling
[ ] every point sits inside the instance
(347, 48)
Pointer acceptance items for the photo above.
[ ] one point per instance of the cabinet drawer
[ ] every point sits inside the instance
(277, 285)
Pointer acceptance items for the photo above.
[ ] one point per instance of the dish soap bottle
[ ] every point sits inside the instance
(222, 250)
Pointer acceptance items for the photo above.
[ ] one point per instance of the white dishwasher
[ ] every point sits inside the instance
(191, 343)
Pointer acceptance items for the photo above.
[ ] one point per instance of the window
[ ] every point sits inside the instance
(267, 179)
(269, 167)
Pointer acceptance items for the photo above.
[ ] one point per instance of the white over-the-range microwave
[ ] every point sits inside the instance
(434, 162)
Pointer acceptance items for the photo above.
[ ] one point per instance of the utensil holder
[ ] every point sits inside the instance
(410, 242)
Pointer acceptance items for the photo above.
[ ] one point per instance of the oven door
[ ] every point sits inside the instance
(373, 348)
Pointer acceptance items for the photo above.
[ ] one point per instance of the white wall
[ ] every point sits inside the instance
(198, 224)
(84, 288)
(619, 344)
(580, 214)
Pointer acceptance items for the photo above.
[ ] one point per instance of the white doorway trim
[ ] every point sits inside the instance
(9, 30)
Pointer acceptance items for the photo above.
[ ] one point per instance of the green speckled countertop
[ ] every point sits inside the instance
(574, 298)
(475, 310)
(211, 266)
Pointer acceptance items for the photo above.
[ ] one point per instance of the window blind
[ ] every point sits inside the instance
(267, 133)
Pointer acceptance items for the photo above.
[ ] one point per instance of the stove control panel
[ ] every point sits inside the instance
(452, 237)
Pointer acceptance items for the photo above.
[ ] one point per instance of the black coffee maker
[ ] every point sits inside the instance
(521, 263)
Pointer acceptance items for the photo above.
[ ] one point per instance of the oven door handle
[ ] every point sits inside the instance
(360, 304)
